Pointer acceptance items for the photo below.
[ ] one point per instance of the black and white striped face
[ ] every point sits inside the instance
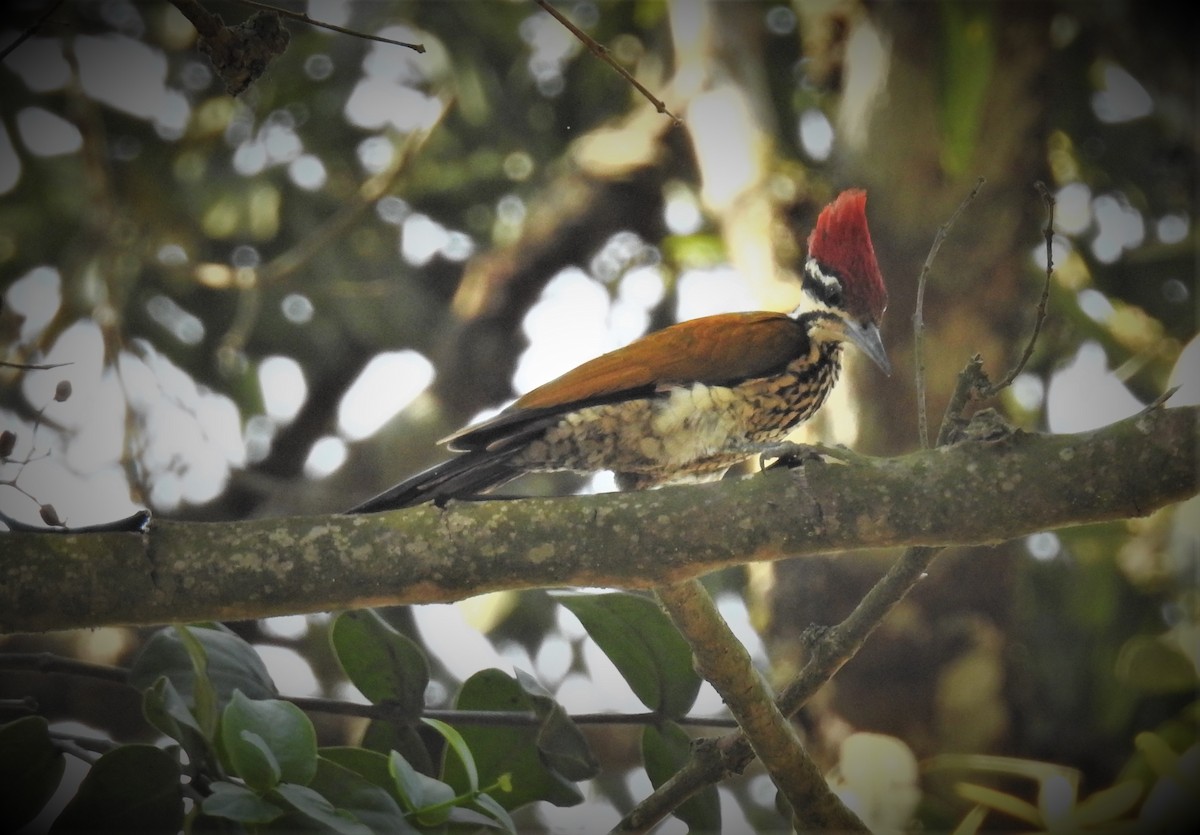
(828, 320)
(823, 287)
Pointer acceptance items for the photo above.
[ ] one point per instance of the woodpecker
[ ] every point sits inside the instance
(686, 403)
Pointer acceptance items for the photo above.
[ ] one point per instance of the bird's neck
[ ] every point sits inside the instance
(826, 331)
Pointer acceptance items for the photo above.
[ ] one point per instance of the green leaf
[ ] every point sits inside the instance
(457, 744)
(697, 250)
(384, 665)
(370, 765)
(490, 807)
(166, 710)
(1107, 805)
(314, 806)
(30, 770)
(238, 803)
(562, 745)
(1161, 758)
(231, 663)
(133, 787)
(384, 737)
(251, 758)
(378, 770)
(361, 797)
(205, 702)
(1153, 664)
(644, 645)
(268, 740)
(421, 793)
(665, 750)
(1020, 809)
(499, 751)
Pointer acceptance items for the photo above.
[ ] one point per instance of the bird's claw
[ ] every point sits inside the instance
(789, 454)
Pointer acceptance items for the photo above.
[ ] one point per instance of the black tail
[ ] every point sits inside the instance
(464, 476)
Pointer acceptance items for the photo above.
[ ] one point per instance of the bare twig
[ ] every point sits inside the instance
(973, 383)
(840, 643)
(48, 662)
(1160, 401)
(28, 33)
(25, 366)
(725, 663)
(971, 380)
(206, 23)
(602, 52)
(25, 704)
(304, 18)
(918, 318)
(499, 718)
(1048, 234)
(46, 511)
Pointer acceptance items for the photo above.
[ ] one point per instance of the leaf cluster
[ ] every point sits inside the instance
(238, 757)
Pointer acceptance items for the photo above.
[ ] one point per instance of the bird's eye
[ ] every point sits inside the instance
(833, 296)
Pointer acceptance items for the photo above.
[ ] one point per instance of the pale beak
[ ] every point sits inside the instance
(867, 338)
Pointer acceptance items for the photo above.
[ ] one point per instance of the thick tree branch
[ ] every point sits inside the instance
(975, 492)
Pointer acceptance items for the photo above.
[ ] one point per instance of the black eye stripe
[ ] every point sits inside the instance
(823, 284)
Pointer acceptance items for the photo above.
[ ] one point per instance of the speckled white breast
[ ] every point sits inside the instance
(688, 432)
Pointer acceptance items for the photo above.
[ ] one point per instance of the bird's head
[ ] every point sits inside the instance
(842, 278)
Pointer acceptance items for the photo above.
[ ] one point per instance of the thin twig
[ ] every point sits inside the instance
(205, 22)
(25, 366)
(25, 704)
(496, 718)
(602, 52)
(1048, 234)
(971, 380)
(304, 18)
(505, 718)
(918, 318)
(839, 644)
(46, 510)
(28, 33)
(48, 662)
(1160, 401)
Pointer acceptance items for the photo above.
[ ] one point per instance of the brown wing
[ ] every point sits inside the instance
(713, 350)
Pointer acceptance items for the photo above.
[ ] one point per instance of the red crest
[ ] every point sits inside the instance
(841, 242)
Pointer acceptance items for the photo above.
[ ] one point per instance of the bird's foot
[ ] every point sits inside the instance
(789, 454)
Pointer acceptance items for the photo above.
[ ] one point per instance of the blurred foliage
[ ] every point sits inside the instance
(360, 198)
